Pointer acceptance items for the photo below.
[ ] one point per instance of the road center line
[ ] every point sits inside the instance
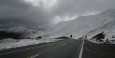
(81, 51)
(22, 50)
(36, 55)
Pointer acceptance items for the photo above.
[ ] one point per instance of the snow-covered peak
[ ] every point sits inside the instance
(26, 32)
(20, 29)
(83, 24)
(109, 11)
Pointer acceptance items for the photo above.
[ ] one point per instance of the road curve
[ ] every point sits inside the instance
(62, 49)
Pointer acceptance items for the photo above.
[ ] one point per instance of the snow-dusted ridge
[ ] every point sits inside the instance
(84, 24)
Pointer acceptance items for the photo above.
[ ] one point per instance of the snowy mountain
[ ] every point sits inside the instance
(108, 28)
(83, 24)
(6, 23)
(22, 31)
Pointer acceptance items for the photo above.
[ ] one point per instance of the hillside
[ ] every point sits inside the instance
(83, 24)
(108, 28)
(20, 32)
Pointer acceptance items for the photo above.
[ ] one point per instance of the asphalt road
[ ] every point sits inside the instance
(93, 50)
(63, 49)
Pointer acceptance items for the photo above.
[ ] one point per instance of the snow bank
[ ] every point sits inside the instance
(111, 37)
(12, 43)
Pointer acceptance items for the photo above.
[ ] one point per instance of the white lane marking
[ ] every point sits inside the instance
(81, 51)
(17, 50)
(22, 50)
(36, 55)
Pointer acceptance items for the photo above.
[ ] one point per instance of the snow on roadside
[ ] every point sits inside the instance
(13, 43)
(109, 35)
(94, 41)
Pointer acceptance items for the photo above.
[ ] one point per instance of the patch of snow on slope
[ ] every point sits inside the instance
(28, 33)
(21, 29)
(107, 28)
(12, 43)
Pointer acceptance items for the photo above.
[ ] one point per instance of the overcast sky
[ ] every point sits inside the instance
(49, 12)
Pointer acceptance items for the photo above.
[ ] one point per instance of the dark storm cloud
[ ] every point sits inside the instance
(84, 6)
(20, 10)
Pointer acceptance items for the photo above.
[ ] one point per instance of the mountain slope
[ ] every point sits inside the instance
(84, 24)
(108, 28)
(6, 23)
(20, 32)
